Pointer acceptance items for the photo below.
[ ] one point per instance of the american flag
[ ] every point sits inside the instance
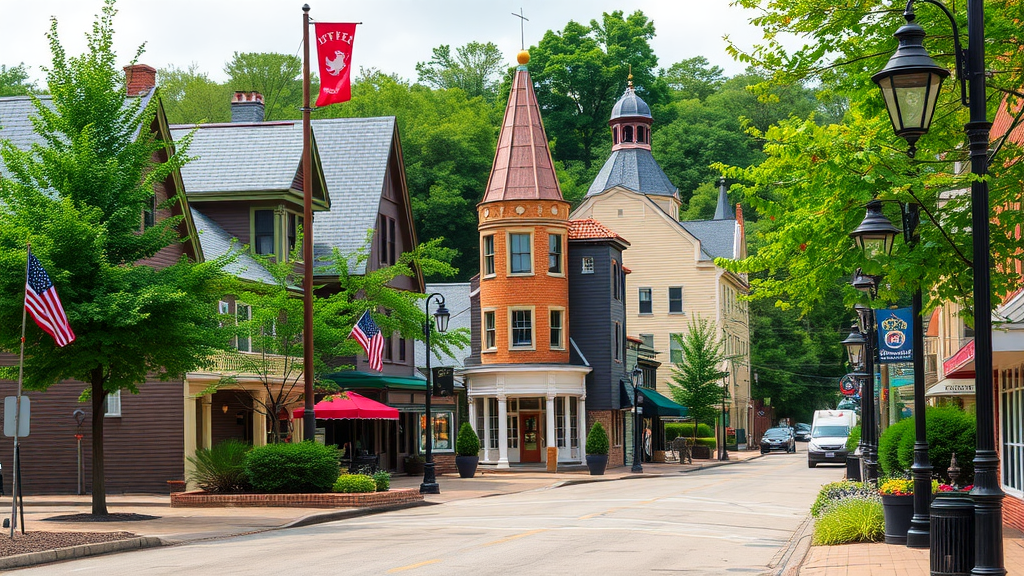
(44, 305)
(368, 335)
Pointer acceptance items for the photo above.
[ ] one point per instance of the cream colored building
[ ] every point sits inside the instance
(673, 278)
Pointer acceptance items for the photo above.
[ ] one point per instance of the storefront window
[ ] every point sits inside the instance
(1013, 429)
(441, 427)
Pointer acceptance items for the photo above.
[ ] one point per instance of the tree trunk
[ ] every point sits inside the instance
(99, 485)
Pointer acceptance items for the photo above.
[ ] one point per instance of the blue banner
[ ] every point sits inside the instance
(895, 335)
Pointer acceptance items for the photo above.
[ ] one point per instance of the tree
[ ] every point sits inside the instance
(697, 376)
(275, 325)
(693, 78)
(14, 81)
(816, 179)
(278, 77)
(190, 97)
(474, 69)
(79, 195)
(581, 72)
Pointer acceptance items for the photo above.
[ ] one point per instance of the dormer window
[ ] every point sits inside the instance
(627, 134)
(615, 135)
(263, 224)
(640, 134)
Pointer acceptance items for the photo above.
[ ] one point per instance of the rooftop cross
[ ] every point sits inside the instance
(522, 28)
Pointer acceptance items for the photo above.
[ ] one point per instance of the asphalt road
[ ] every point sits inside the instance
(727, 520)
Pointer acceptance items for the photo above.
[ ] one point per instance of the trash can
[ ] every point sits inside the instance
(853, 468)
(952, 535)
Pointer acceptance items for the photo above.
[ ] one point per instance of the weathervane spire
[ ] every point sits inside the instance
(522, 28)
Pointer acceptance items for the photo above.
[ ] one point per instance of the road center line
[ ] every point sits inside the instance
(514, 537)
(416, 565)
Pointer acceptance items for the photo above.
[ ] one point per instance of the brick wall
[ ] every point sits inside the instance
(200, 499)
(616, 456)
(1013, 512)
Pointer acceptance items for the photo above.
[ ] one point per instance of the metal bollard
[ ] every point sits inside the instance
(952, 535)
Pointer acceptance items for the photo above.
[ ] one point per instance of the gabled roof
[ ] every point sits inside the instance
(717, 237)
(457, 301)
(634, 169)
(590, 229)
(522, 168)
(216, 242)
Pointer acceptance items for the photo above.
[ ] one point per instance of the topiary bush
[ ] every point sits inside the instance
(221, 468)
(467, 443)
(354, 484)
(709, 442)
(950, 429)
(597, 440)
(382, 478)
(854, 439)
(303, 467)
(675, 429)
(888, 447)
(836, 491)
(852, 519)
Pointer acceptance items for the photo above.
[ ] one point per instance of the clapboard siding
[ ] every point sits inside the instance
(233, 217)
(172, 253)
(144, 447)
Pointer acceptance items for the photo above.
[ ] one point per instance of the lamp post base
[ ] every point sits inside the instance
(429, 485)
(637, 468)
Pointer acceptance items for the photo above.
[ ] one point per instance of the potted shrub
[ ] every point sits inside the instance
(597, 450)
(467, 451)
(898, 508)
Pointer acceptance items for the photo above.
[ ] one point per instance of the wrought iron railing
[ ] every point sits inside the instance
(254, 364)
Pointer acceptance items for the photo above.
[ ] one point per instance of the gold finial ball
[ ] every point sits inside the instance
(523, 57)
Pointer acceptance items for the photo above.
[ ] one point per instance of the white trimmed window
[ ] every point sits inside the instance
(1011, 414)
(521, 328)
(588, 265)
(675, 300)
(675, 349)
(554, 253)
(557, 326)
(490, 331)
(644, 301)
(520, 253)
(488, 251)
(112, 405)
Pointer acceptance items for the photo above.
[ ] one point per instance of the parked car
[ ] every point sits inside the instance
(780, 438)
(829, 432)
(802, 432)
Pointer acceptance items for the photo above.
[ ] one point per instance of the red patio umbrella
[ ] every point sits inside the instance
(350, 406)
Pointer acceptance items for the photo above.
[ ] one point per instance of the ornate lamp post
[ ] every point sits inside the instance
(441, 316)
(723, 454)
(869, 419)
(636, 376)
(910, 82)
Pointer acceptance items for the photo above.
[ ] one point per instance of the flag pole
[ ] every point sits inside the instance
(17, 400)
(308, 417)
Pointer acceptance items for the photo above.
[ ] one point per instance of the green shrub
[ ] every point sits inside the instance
(709, 442)
(221, 468)
(949, 430)
(467, 443)
(354, 484)
(597, 440)
(674, 429)
(836, 491)
(382, 479)
(854, 439)
(850, 520)
(888, 447)
(302, 467)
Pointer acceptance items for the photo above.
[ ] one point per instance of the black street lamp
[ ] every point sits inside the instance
(723, 453)
(911, 69)
(869, 419)
(441, 316)
(636, 375)
(880, 230)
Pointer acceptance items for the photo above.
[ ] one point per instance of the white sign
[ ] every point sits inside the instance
(10, 403)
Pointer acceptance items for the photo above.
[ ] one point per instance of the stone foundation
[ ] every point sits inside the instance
(202, 499)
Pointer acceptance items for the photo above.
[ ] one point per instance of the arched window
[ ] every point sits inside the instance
(627, 134)
(615, 135)
(640, 134)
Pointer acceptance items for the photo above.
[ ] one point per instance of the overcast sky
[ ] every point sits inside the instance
(394, 35)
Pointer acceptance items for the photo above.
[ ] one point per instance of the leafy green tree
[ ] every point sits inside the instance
(581, 72)
(697, 377)
(14, 81)
(278, 77)
(79, 196)
(693, 78)
(474, 68)
(190, 97)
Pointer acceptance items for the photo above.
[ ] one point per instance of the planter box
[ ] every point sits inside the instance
(202, 499)
(701, 452)
(899, 511)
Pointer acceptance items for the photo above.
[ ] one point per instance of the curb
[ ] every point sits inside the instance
(73, 552)
(322, 517)
(709, 465)
(789, 560)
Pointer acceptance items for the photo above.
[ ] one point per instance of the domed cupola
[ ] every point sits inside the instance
(631, 121)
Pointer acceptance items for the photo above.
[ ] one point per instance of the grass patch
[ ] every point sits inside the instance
(853, 519)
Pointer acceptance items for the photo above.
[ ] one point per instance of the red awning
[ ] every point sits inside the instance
(961, 364)
(350, 406)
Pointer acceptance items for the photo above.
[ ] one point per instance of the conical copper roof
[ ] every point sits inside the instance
(522, 168)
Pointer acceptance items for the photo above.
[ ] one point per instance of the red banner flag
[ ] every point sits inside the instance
(334, 51)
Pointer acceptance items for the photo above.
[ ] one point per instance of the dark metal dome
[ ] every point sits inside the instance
(630, 105)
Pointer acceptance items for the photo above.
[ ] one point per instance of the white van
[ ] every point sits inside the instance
(829, 432)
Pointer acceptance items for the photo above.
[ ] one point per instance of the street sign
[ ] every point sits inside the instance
(895, 335)
(10, 403)
(848, 385)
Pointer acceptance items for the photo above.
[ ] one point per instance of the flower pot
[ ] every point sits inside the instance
(597, 463)
(466, 465)
(899, 511)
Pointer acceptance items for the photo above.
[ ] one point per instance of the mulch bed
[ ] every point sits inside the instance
(114, 517)
(42, 541)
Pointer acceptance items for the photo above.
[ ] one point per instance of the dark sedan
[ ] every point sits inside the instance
(802, 432)
(778, 439)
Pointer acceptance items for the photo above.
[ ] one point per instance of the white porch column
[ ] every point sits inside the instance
(259, 426)
(487, 429)
(502, 432)
(190, 430)
(581, 422)
(472, 416)
(565, 426)
(207, 421)
(549, 434)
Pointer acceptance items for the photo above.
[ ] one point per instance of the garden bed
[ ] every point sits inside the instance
(202, 499)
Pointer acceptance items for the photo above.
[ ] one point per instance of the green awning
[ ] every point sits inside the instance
(353, 379)
(655, 404)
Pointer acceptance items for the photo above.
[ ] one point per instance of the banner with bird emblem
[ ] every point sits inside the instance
(334, 53)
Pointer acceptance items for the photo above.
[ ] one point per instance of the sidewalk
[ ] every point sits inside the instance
(178, 525)
(879, 559)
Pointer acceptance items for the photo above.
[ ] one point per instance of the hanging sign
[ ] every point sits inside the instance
(895, 335)
(444, 381)
(848, 385)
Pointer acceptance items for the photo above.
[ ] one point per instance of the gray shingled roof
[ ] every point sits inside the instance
(456, 300)
(354, 154)
(717, 237)
(216, 242)
(634, 169)
(241, 157)
(630, 105)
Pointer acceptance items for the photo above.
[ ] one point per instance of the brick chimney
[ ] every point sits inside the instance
(739, 214)
(247, 107)
(139, 79)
